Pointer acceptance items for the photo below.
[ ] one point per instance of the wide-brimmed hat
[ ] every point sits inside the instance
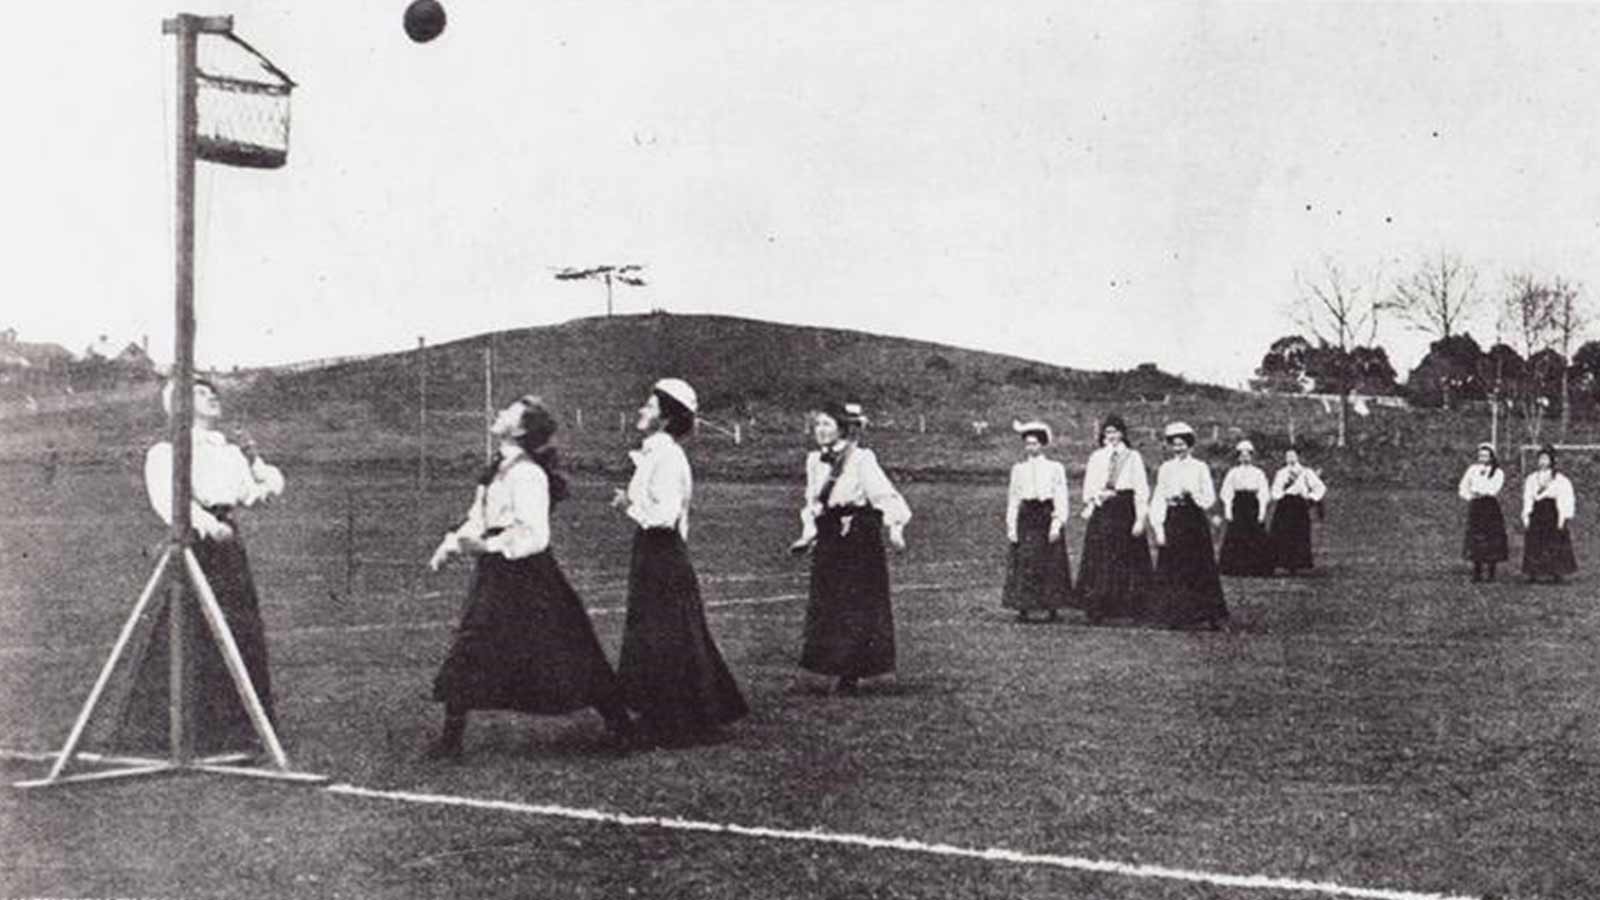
(1244, 446)
(1179, 430)
(1034, 427)
(680, 392)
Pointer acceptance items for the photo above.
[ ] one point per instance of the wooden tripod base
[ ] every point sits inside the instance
(181, 758)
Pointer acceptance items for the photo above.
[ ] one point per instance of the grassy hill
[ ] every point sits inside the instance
(925, 400)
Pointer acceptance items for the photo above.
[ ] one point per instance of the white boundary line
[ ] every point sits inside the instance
(870, 842)
(908, 845)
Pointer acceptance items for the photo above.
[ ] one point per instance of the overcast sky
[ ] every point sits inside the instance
(1093, 186)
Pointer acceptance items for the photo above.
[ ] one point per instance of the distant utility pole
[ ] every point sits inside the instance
(628, 274)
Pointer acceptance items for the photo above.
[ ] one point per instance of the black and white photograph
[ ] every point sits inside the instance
(892, 450)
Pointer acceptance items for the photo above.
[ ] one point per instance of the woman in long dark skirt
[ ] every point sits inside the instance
(1246, 550)
(672, 673)
(849, 628)
(1548, 505)
(1295, 489)
(525, 643)
(1114, 577)
(1485, 545)
(225, 476)
(1186, 564)
(1039, 577)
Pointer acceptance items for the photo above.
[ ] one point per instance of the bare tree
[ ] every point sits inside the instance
(1570, 318)
(1437, 298)
(629, 275)
(1342, 314)
(1528, 319)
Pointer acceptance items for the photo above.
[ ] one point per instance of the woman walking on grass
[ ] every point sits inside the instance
(1040, 574)
(525, 643)
(1485, 545)
(1186, 564)
(1244, 493)
(1548, 505)
(1114, 577)
(672, 673)
(849, 501)
(1295, 488)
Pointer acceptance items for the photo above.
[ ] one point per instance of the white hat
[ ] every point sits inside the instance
(1243, 446)
(679, 390)
(1033, 426)
(1179, 429)
(167, 389)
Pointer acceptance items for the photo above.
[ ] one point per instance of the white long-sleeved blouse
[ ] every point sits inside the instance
(516, 502)
(662, 485)
(1549, 486)
(1178, 480)
(862, 482)
(220, 475)
(1112, 469)
(1245, 478)
(1480, 481)
(1036, 478)
(1298, 481)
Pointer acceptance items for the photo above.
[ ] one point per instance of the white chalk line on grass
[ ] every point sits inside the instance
(902, 844)
(869, 842)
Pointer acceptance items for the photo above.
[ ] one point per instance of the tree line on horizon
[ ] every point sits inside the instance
(1537, 365)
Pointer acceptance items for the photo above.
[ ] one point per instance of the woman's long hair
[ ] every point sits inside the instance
(538, 427)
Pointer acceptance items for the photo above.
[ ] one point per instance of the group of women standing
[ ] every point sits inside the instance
(1548, 505)
(1116, 580)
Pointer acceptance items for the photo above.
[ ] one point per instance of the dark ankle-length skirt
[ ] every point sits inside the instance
(849, 628)
(1486, 532)
(672, 673)
(525, 644)
(219, 721)
(1040, 575)
(1547, 548)
(1291, 534)
(1246, 550)
(1114, 579)
(1186, 570)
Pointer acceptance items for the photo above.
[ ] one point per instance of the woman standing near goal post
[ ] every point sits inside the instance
(1295, 489)
(525, 643)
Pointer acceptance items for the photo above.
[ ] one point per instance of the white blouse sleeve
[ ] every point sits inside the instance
(1280, 483)
(529, 531)
(1464, 489)
(1528, 490)
(1157, 506)
(1226, 493)
(1315, 489)
(1205, 492)
(1566, 501)
(158, 487)
(880, 491)
(1141, 484)
(1014, 500)
(1060, 497)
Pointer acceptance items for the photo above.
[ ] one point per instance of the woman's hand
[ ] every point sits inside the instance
(442, 554)
(213, 529)
(1138, 528)
(619, 499)
(897, 538)
(1056, 528)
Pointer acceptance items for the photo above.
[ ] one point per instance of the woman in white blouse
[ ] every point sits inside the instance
(1245, 494)
(1186, 564)
(1040, 573)
(1548, 505)
(849, 628)
(1485, 545)
(524, 642)
(1114, 578)
(224, 477)
(1294, 489)
(672, 674)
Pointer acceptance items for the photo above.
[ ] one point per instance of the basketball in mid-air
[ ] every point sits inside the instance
(424, 20)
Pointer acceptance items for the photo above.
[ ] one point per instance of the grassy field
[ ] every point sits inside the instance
(1382, 723)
